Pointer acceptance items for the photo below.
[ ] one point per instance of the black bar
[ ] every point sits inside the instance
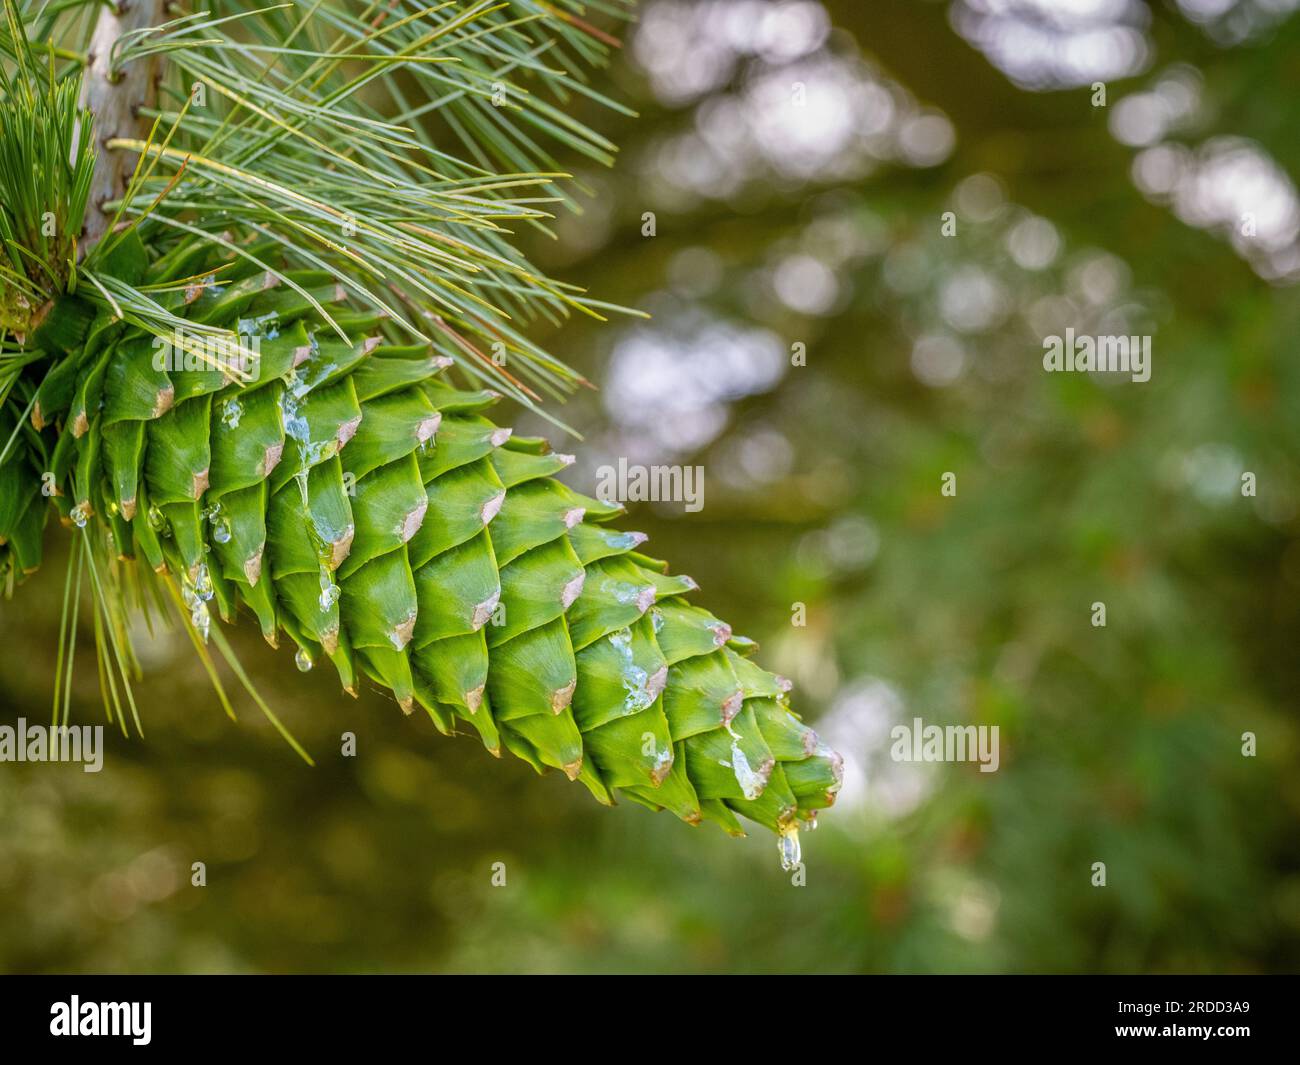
(1245, 1015)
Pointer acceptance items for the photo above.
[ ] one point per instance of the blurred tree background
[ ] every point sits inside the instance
(1112, 166)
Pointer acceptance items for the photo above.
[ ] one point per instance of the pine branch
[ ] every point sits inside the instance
(336, 484)
(115, 98)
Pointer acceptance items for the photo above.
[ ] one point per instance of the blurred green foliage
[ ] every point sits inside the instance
(1120, 744)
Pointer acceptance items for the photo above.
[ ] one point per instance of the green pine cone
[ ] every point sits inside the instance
(348, 495)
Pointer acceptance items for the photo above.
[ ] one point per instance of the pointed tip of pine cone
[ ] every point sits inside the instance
(80, 423)
(199, 484)
(500, 436)
(660, 772)
(837, 770)
(574, 517)
(473, 700)
(273, 638)
(407, 704)
(482, 615)
(425, 430)
(253, 568)
(562, 697)
(301, 354)
(573, 769)
(342, 547)
(721, 634)
(492, 507)
(329, 640)
(413, 520)
(401, 634)
(572, 590)
(656, 684)
(270, 459)
(370, 343)
(348, 430)
(38, 417)
(645, 598)
(128, 509)
(163, 401)
(732, 705)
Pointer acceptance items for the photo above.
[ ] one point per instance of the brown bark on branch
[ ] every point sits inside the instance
(115, 101)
